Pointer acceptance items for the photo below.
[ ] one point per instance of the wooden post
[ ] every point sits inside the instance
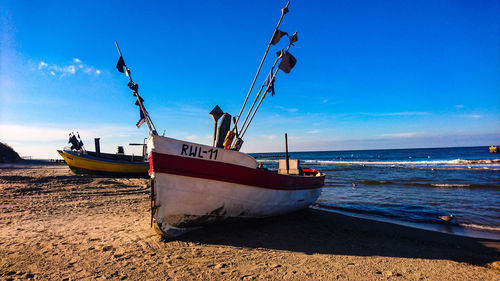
(215, 132)
(216, 114)
(286, 155)
(97, 146)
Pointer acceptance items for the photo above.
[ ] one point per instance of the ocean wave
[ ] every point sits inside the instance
(481, 227)
(490, 164)
(272, 156)
(268, 161)
(404, 212)
(425, 162)
(374, 182)
(456, 164)
(435, 162)
(449, 185)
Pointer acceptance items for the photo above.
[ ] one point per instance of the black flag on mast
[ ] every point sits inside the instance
(277, 36)
(137, 102)
(143, 119)
(120, 65)
(269, 83)
(293, 38)
(287, 62)
(284, 10)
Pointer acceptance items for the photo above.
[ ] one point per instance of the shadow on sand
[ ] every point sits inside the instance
(320, 232)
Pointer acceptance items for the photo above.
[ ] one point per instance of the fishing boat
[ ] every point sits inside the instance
(82, 161)
(493, 149)
(194, 184)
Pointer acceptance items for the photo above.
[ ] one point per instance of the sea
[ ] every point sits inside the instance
(412, 187)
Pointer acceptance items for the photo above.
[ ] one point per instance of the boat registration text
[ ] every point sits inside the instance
(197, 151)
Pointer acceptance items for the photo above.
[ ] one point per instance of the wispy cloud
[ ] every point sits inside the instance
(287, 109)
(42, 141)
(312, 131)
(187, 110)
(324, 101)
(400, 135)
(31, 133)
(473, 116)
(268, 137)
(53, 133)
(459, 106)
(192, 137)
(411, 113)
(64, 70)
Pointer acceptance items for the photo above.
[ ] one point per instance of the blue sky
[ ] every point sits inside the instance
(369, 74)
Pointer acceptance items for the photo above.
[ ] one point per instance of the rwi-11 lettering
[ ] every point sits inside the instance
(197, 151)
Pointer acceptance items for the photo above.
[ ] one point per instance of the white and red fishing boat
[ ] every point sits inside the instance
(195, 184)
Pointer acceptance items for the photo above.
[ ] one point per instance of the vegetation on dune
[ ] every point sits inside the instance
(7, 154)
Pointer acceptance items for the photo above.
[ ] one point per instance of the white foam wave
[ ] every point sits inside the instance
(481, 227)
(487, 164)
(483, 164)
(267, 161)
(449, 185)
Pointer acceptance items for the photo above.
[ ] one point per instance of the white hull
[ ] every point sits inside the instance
(183, 202)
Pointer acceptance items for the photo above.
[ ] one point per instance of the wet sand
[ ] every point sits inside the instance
(56, 225)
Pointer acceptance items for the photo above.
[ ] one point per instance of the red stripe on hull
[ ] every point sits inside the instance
(206, 169)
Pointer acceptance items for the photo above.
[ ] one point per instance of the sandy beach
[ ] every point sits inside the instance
(55, 225)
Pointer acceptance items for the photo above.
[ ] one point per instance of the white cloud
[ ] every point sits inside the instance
(269, 137)
(41, 65)
(64, 70)
(396, 114)
(312, 131)
(50, 132)
(324, 101)
(192, 137)
(400, 135)
(70, 69)
(42, 141)
(287, 109)
(31, 133)
(473, 116)
(459, 106)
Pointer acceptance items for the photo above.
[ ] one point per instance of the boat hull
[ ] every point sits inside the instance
(191, 192)
(87, 164)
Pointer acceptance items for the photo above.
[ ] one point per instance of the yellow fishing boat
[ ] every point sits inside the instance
(493, 149)
(82, 161)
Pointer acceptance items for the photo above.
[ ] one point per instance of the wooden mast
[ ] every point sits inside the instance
(134, 87)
